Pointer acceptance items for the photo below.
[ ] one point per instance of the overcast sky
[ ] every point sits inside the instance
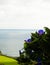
(24, 14)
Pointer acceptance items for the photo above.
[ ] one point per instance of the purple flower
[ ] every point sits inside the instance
(40, 32)
(39, 61)
(28, 40)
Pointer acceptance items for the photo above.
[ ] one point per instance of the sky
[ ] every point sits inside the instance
(24, 14)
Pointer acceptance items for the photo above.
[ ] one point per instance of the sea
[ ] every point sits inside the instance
(12, 40)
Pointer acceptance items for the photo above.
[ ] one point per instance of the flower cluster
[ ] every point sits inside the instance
(40, 32)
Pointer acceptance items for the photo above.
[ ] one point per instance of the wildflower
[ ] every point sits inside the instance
(28, 40)
(39, 61)
(40, 32)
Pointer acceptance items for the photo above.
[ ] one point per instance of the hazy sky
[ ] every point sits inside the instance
(27, 14)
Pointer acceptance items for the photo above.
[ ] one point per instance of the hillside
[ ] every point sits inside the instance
(7, 61)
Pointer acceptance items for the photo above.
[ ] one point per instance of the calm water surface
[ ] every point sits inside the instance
(12, 40)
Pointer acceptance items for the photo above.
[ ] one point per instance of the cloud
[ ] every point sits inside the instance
(46, 0)
(24, 13)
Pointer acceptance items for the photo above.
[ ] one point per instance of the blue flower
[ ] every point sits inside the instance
(39, 61)
(40, 32)
(28, 40)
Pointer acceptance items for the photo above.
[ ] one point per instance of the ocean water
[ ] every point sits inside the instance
(12, 40)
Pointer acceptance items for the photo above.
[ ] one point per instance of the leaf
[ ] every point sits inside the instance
(47, 30)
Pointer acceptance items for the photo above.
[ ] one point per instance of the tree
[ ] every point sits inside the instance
(37, 48)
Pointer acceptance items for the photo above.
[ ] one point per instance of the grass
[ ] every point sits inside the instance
(7, 61)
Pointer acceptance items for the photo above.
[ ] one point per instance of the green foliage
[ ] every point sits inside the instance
(40, 44)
